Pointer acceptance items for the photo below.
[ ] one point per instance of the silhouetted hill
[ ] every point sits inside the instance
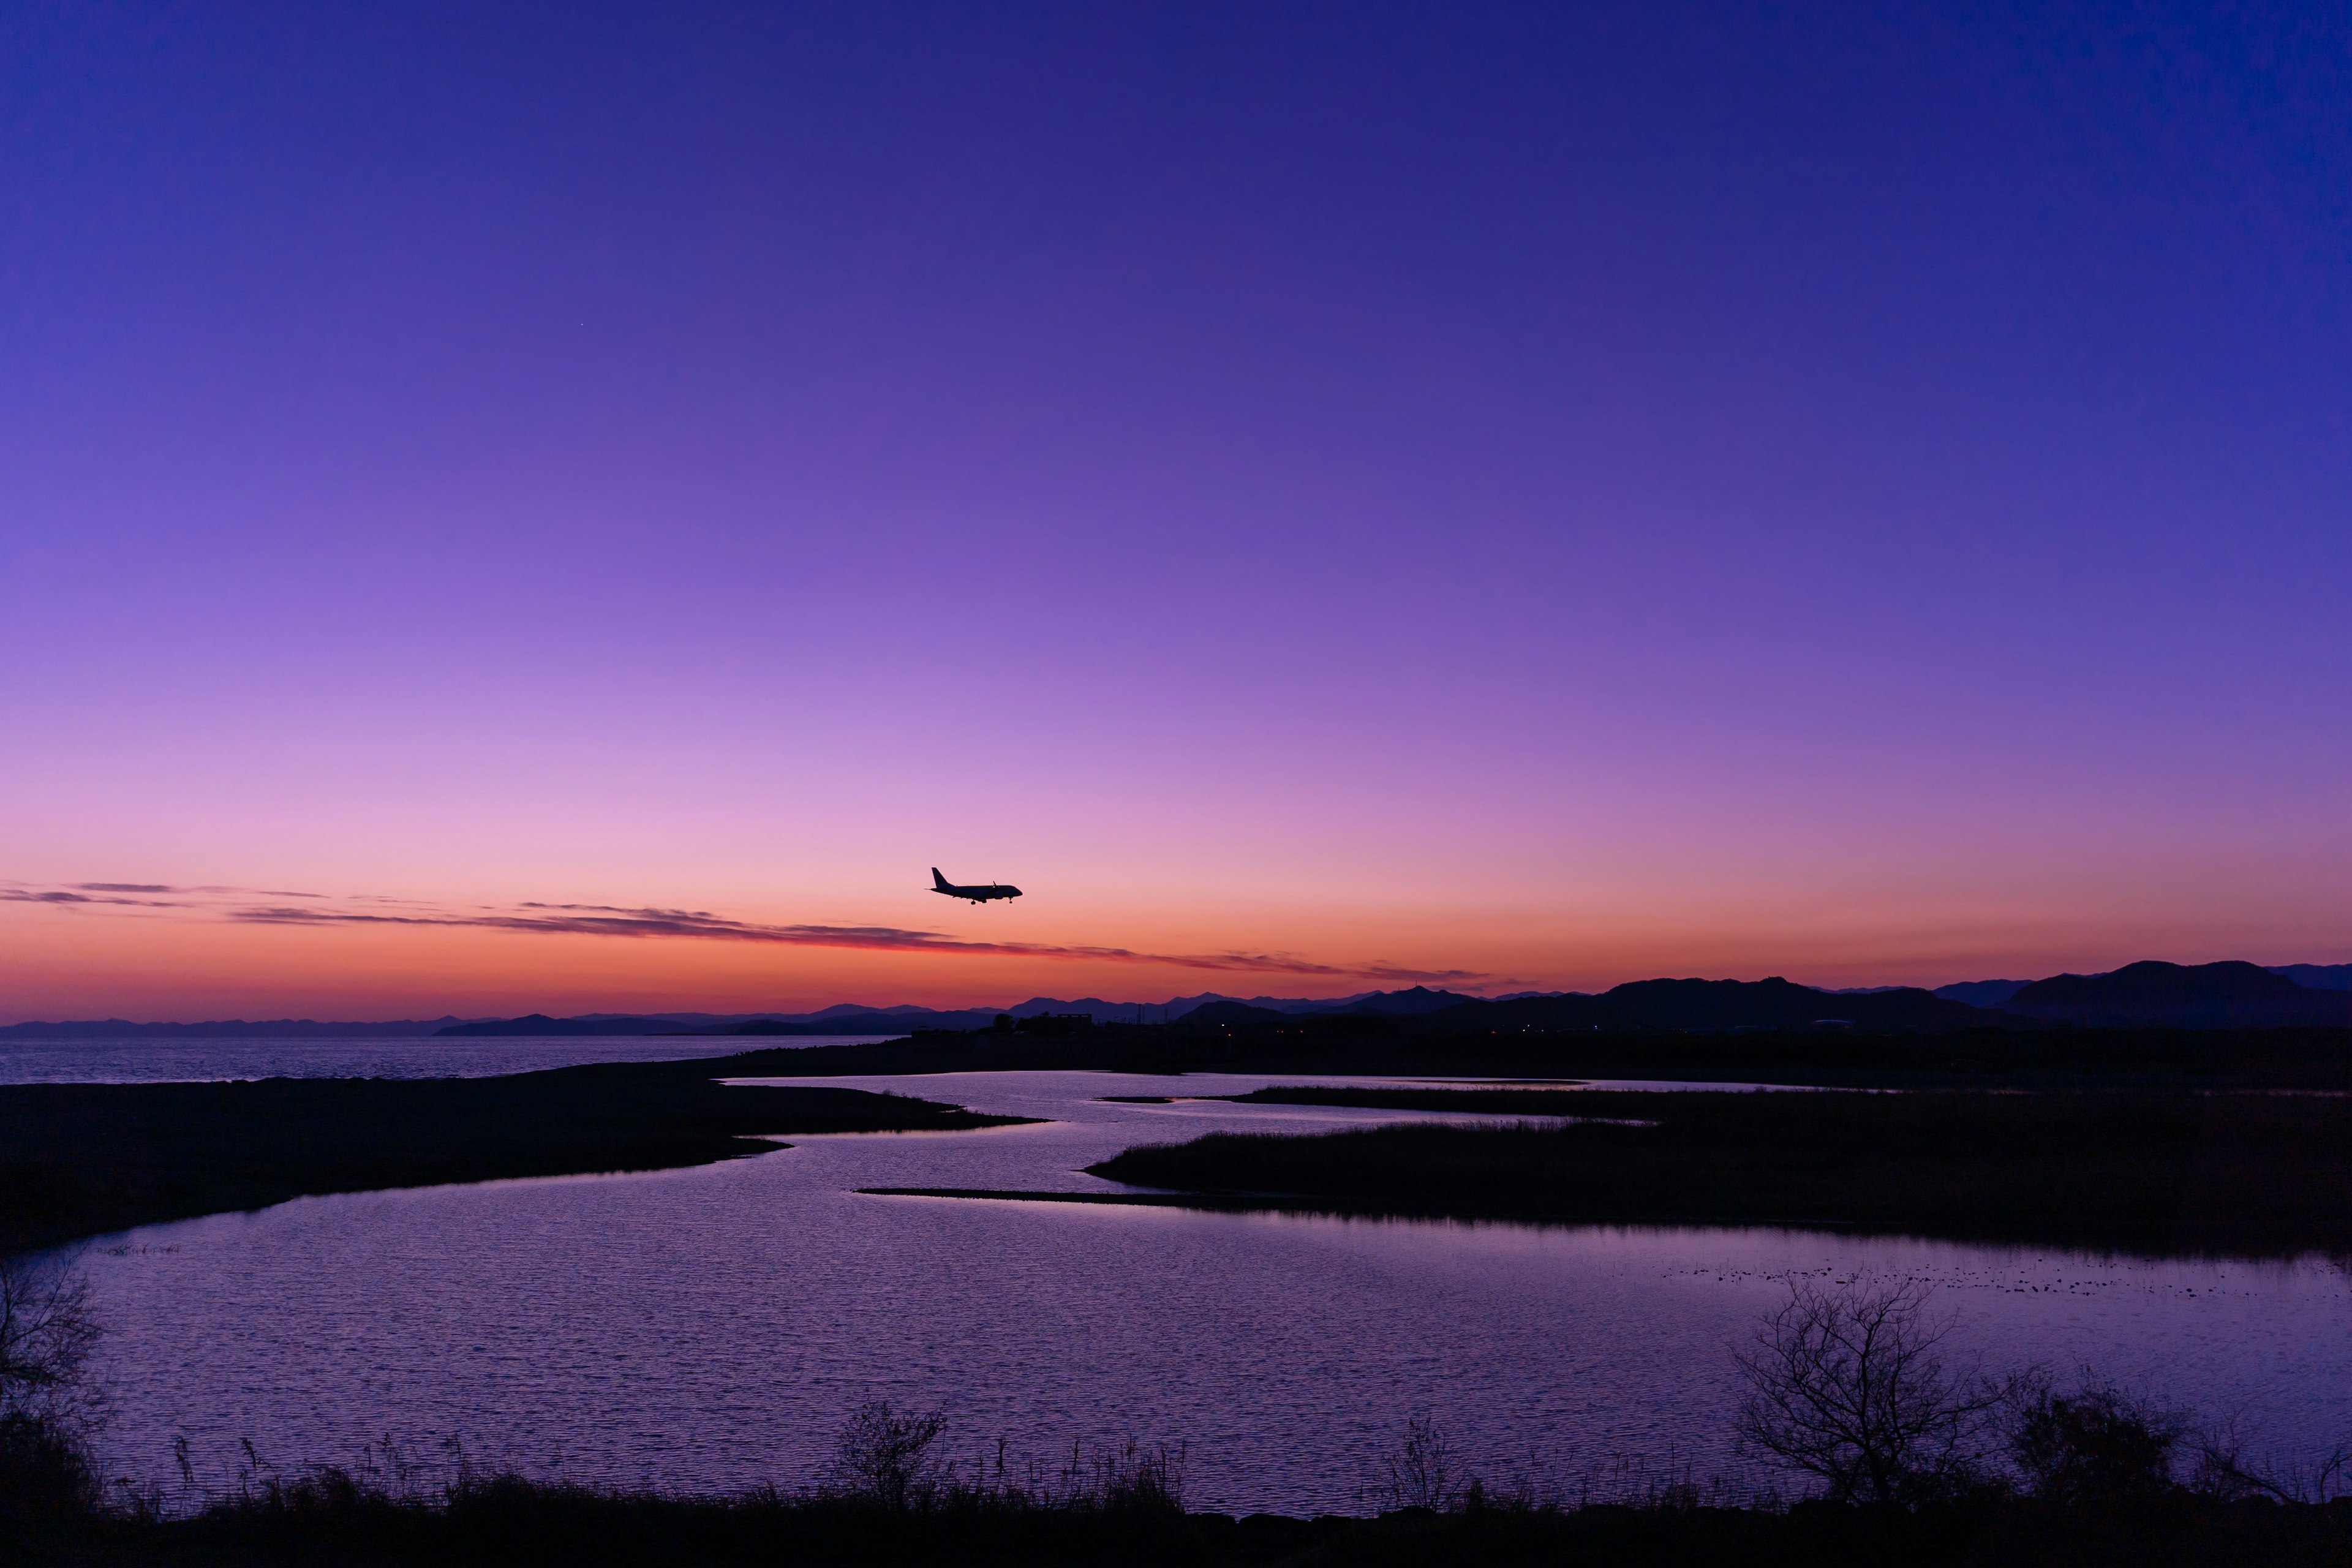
(2310, 976)
(1778, 1004)
(2317, 976)
(1401, 1004)
(2199, 995)
(899, 1021)
(843, 1009)
(1093, 1008)
(1177, 1006)
(1982, 992)
(540, 1023)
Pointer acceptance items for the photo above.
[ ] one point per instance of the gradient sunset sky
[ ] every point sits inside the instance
(512, 508)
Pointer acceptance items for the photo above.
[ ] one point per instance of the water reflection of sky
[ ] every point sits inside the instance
(153, 1059)
(709, 1327)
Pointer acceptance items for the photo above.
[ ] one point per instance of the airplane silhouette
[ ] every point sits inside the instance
(980, 893)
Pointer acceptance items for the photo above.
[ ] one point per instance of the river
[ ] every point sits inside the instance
(709, 1327)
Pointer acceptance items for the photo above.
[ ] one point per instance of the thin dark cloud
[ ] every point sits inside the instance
(92, 893)
(615, 920)
(1381, 970)
(620, 920)
(73, 893)
(66, 896)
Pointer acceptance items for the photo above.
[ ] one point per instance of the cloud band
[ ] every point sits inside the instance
(700, 925)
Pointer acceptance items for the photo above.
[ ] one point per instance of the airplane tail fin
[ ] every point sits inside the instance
(938, 883)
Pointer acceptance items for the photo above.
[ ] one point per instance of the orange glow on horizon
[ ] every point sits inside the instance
(57, 963)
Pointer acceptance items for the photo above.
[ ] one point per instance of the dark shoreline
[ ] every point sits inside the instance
(2149, 1172)
(509, 1520)
(1309, 1203)
(82, 1160)
(2317, 1060)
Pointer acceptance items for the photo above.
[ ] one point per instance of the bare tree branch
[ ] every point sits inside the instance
(47, 1332)
(1848, 1386)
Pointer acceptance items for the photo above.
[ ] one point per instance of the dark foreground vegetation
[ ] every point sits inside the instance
(2085, 1477)
(2246, 1175)
(1902, 1460)
(80, 1159)
(506, 1521)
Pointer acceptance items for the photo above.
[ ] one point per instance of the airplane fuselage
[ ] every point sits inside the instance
(978, 892)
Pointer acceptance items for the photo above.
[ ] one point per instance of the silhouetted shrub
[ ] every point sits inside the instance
(885, 1454)
(1425, 1471)
(45, 1471)
(1129, 1480)
(2095, 1445)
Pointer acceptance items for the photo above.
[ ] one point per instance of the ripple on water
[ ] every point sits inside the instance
(708, 1328)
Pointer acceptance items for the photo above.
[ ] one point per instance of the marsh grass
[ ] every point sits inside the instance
(1123, 1503)
(503, 1519)
(2244, 1175)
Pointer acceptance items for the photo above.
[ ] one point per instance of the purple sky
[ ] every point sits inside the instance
(1547, 494)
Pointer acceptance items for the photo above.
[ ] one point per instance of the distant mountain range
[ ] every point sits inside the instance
(1997, 993)
(1778, 1004)
(2196, 996)
(2189, 996)
(1982, 993)
(2202, 996)
(1642, 1005)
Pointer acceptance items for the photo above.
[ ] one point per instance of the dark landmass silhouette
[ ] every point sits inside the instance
(1684, 1004)
(80, 1159)
(1655, 1006)
(1532, 1014)
(865, 1024)
(1124, 1505)
(1228, 1016)
(540, 1023)
(76, 1159)
(2159, 1172)
(1640, 1006)
(1997, 993)
(1774, 1003)
(1417, 999)
(1778, 1004)
(1177, 1006)
(1982, 993)
(2190, 996)
(1569, 1046)
(2317, 976)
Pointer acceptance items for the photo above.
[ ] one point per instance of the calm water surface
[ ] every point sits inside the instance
(404, 1056)
(708, 1328)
